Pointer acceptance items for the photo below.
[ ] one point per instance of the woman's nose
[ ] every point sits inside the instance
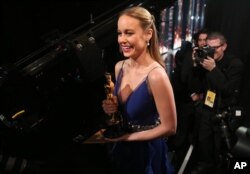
(122, 39)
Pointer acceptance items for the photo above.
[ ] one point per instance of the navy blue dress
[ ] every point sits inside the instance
(140, 157)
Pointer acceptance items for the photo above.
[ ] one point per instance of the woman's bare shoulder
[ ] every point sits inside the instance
(158, 73)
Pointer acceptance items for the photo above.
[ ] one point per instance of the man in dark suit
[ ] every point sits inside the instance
(219, 75)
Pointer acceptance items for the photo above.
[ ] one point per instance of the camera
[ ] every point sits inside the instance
(241, 148)
(202, 53)
(230, 119)
(224, 127)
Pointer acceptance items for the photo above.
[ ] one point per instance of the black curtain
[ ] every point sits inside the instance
(27, 26)
(232, 18)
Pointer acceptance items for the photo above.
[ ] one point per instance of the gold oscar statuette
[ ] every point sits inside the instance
(109, 90)
(114, 121)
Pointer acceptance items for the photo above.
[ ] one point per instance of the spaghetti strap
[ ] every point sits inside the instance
(153, 69)
(123, 63)
(147, 82)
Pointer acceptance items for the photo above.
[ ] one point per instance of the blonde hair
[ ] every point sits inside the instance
(147, 21)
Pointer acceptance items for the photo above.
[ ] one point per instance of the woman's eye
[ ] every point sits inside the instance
(129, 33)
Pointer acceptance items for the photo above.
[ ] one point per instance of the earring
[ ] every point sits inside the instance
(148, 43)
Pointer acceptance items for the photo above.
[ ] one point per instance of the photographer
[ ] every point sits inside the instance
(192, 76)
(219, 75)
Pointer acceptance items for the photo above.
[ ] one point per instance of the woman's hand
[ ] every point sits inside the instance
(117, 139)
(110, 106)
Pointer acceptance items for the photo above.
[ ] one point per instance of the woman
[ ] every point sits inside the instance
(144, 97)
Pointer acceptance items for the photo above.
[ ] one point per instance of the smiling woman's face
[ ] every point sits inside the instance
(131, 37)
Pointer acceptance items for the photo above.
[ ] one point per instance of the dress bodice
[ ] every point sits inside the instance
(149, 157)
(139, 108)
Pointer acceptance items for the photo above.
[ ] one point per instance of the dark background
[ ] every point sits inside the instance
(26, 26)
(59, 87)
(233, 19)
(30, 29)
